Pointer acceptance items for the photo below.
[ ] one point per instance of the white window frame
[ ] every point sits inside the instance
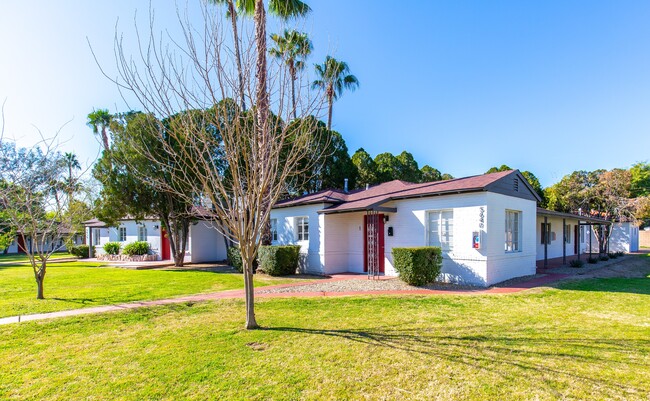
(274, 229)
(121, 230)
(567, 233)
(96, 235)
(448, 234)
(302, 228)
(142, 232)
(513, 224)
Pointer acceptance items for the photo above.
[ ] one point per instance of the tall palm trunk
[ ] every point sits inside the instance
(235, 37)
(292, 72)
(104, 138)
(330, 101)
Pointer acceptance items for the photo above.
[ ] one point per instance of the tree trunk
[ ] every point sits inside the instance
(105, 138)
(251, 323)
(292, 71)
(235, 37)
(39, 275)
(330, 101)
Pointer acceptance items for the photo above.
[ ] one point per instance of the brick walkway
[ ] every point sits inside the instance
(232, 294)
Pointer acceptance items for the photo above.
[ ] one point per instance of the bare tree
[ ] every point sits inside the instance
(38, 213)
(239, 162)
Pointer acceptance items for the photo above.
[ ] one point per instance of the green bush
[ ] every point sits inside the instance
(137, 248)
(234, 258)
(592, 260)
(576, 263)
(604, 258)
(620, 253)
(112, 248)
(418, 266)
(612, 255)
(80, 251)
(278, 260)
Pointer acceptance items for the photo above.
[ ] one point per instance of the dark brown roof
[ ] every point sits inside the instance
(374, 196)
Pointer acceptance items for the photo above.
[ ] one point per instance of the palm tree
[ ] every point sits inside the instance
(100, 121)
(72, 163)
(334, 77)
(291, 47)
(285, 9)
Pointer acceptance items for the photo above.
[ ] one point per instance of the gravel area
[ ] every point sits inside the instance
(588, 267)
(365, 285)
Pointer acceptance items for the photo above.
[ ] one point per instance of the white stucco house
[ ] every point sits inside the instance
(205, 242)
(485, 225)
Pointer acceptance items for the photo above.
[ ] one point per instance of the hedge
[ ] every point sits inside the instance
(418, 266)
(234, 258)
(137, 248)
(112, 248)
(278, 260)
(81, 251)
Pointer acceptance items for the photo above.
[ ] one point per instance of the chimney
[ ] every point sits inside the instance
(345, 185)
(367, 186)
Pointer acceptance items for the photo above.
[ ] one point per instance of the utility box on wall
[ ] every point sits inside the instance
(476, 240)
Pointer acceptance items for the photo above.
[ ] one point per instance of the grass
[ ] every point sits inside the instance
(588, 339)
(72, 285)
(22, 258)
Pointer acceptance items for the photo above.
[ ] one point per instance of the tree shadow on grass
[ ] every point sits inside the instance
(548, 361)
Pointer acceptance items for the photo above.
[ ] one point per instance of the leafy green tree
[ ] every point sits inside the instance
(407, 168)
(292, 47)
(430, 174)
(447, 176)
(71, 162)
(128, 177)
(330, 163)
(387, 167)
(366, 168)
(100, 121)
(640, 178)
(334, 78)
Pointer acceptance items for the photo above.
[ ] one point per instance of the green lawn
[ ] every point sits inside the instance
(71, 285)
(584, 340)
(20, 258)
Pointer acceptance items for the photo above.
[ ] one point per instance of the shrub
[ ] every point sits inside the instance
(112, 248)
(604, 258)
(80, 251)
(234, 258)
(620, 253)
(137, 248)
(592, 260)
(612, 255)
(418, 266)
(576, 263)
(278, 260)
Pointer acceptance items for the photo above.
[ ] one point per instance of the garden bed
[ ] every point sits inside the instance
(127, 258)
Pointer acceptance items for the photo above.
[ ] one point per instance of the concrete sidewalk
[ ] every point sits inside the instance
(233, 294)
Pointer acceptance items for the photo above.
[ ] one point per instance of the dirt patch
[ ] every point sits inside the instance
(628, 267)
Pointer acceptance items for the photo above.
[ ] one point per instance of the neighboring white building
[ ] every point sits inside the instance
(205, 242)
(56, 245)
(624, 237)
(484, 224)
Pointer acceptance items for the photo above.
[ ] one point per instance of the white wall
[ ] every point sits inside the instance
(111, 234)
(624, 238)
(312, 252)
(554, 248)
(206, 244)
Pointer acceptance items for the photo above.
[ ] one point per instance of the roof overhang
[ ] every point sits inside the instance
(587, 219)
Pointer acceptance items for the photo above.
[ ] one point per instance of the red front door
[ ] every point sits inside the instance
(373, 241)
(21, 244)
(164, 245)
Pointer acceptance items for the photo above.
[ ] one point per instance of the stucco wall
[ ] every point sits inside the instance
(554, 248)
(312, 253)
(111, 234)
(644, 239)
(206, 243)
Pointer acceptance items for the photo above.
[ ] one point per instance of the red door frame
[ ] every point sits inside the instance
(380, 246)
(164, 245)
(21, 244)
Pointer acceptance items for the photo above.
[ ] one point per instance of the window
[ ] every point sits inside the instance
(274, 229)
(96, 233)
(142, 233)
(441, 229)
(546, 233)
(302, 228)
(122, 234)
(567, 233)
(513, 231)
(582, 234)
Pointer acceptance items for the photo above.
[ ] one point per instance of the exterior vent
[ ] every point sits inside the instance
(516, 185)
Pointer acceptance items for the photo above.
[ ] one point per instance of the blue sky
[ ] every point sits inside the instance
(550, 87)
